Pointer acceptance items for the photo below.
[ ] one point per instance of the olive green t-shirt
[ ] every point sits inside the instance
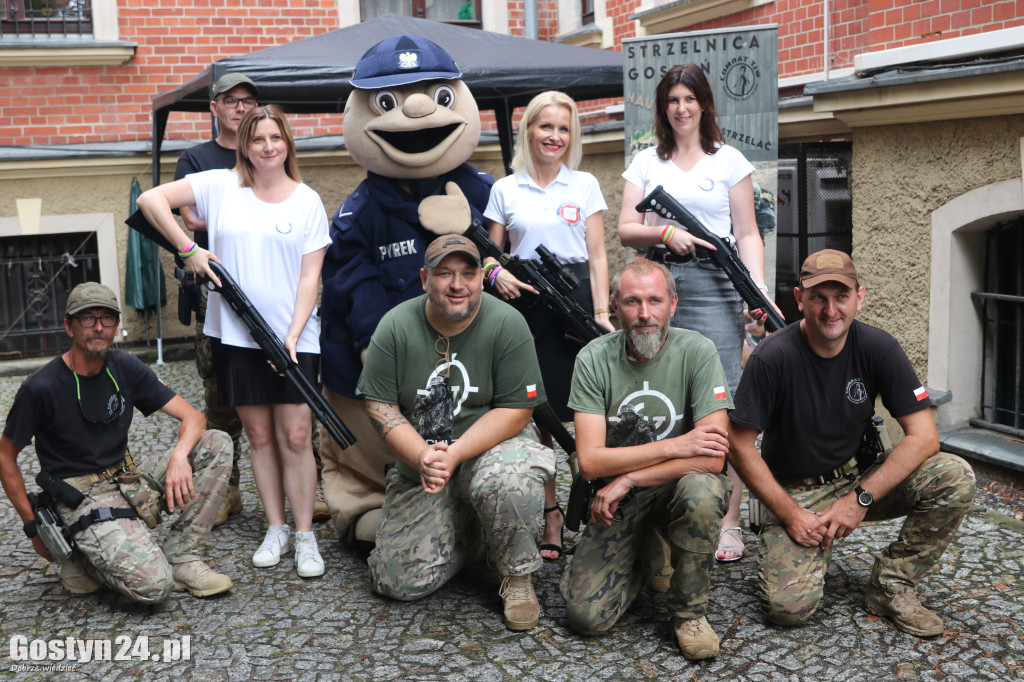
(492, 363)
(680, 385)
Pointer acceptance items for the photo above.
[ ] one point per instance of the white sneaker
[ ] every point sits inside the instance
(308, 563)
(276, 542)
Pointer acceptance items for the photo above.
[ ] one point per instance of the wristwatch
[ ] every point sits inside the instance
(30, 528)
(864, 498)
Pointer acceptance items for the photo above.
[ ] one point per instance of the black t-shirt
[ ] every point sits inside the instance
(203, 157)
(67, 442)
(813, 410)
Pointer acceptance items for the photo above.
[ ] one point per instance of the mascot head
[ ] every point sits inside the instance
(410, 115)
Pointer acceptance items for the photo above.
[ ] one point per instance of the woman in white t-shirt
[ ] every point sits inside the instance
(713, 180)
(269, 230)
(546, 201)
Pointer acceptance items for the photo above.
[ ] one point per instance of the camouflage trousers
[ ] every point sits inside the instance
(609, 566)
(354, 477)
(121, 553)
(424, 540)
(218, 417)
(934, 498)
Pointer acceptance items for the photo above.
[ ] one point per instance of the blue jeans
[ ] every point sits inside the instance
(710, 305)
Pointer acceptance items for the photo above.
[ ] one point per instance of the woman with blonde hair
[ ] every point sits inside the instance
(546, 201)
(269, 230)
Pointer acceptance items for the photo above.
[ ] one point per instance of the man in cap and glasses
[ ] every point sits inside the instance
(450, 383)
(810, 389)
(79, 408)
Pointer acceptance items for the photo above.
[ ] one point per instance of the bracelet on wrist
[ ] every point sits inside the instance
(600, 311)
(192, 248)
(494, 275)
(666, 234)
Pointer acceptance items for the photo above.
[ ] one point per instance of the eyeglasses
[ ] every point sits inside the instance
(89, 321)
(115, 404)
(232, 102)
(441, 346)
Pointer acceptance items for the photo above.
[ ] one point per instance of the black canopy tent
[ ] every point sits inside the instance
(312, 75)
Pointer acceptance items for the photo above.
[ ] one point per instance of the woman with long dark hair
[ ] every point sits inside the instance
(713, 180)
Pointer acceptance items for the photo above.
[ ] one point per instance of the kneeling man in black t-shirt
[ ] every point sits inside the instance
(79, 409)
(811, 389)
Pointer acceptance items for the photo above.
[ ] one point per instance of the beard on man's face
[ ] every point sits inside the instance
(645, 344)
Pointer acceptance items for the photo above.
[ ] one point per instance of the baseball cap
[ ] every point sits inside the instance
(828, 265)
(403, 59)
(443, 247)
(230, 80)
(91, 295)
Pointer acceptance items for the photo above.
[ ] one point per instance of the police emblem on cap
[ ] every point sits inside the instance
(409, 60)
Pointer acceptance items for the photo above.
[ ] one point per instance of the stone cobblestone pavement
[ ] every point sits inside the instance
(275, 625)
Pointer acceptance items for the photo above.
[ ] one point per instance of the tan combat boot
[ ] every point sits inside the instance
(199, 579)
(695, 637)
(522, 610)
(231, 505)
(905, 611)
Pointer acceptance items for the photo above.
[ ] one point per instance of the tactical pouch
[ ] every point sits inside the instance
(141, 491)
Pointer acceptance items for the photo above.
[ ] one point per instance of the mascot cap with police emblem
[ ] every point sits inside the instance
(403, 59)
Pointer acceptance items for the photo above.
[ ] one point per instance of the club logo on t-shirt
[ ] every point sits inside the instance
(284, 228)
(654, 406)
(569, 214)
(707, 184)
(459, 382)
(856, 393)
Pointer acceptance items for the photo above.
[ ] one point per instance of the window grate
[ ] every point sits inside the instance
(45, 18)
(1002, 305)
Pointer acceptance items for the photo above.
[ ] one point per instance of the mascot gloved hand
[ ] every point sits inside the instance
(412, 124)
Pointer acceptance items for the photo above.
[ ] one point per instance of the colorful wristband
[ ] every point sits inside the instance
(666, 234)
(193, 247)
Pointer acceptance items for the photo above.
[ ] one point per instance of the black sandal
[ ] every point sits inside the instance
(548, 547)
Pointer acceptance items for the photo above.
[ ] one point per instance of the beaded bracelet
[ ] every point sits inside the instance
(193, 247)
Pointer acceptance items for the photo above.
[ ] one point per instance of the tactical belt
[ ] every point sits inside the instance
(101, 514)
(124, 466)
(849, 471)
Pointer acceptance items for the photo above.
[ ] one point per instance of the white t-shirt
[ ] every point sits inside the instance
(704, 190)
(262, 246)
(554, 216)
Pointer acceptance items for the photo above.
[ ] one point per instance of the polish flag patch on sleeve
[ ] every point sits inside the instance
(920, 393)
(531, 391)
(719, 392)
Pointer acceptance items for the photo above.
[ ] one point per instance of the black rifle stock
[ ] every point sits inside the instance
(262, 334)
(549, 277)
(662, 203)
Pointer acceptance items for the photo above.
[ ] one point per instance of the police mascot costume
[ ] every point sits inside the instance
(412, 124)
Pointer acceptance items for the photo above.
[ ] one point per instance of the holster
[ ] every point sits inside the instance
(142, 492)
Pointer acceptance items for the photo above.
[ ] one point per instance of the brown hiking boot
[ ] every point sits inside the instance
(75, 580)
(695, 637)
(905, 611)
(199, 579)
(231, 505)
(522, 610)
(320, 510)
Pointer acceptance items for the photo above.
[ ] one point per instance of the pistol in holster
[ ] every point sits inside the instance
(189, 295)
(50, 525)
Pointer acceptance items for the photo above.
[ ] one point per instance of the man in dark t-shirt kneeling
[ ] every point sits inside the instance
(811, 389)
(79, 408)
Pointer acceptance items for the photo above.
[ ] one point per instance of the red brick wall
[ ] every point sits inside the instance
(177, 39)
(895, 23)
